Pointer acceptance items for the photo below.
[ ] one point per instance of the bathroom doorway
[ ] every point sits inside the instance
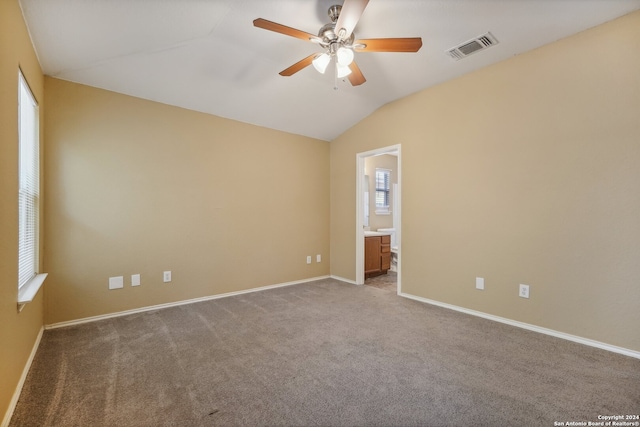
(378, 213)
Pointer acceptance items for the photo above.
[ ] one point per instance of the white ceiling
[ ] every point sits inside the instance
(206, 55)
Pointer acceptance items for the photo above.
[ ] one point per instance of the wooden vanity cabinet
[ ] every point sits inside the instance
(377, 255)
(385, 257)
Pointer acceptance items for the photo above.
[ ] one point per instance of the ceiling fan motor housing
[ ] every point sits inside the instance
(328, 32)
(328, 35)
(334, 12)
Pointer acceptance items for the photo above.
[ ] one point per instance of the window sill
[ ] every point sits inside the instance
(28, 291)
(383, 212)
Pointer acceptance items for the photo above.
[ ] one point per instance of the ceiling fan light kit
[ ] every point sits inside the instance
(321, 62)
(342, 70)
(344, 56)
(340, 45)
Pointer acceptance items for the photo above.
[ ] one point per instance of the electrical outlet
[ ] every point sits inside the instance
(524, 291)
(116, 282)
(166, 277)
(135, 280)
(309, 259)
(480, 283)
(318, 258)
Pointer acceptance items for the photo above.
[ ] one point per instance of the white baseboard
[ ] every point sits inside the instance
(23, 377)
(177, 303)
(534, 328)
(342, 279)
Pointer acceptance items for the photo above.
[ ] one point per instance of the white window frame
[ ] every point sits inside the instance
(383, 209)
(29, 278)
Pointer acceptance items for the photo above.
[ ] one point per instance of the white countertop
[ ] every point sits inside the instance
(376, 233)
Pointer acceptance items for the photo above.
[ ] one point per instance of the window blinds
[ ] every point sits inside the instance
(382, 188)
(29, 183)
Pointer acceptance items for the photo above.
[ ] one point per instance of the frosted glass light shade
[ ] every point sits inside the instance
(342, 70)
(320, 62)
(344, 56)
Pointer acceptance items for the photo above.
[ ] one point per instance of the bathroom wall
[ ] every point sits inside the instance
(385, 161)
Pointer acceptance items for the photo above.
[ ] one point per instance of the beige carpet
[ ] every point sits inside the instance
(318, 354)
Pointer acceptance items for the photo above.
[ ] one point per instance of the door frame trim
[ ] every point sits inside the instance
(360, 185)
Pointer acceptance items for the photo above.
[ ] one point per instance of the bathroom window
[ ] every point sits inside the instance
(383, 185)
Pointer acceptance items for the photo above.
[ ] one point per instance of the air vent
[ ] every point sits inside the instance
(472, 46)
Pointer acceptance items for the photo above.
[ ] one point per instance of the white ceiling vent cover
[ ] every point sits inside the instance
(472, 46)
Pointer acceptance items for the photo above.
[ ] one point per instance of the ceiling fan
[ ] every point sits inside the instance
(339, 42)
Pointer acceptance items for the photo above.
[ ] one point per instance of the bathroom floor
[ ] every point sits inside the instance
(388, 282)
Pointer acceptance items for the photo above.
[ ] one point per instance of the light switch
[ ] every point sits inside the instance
(135, 280)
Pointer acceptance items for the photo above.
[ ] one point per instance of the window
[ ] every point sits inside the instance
(28, 193)
(383, 178)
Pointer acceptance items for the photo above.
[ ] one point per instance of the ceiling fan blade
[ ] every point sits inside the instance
(350, 14)
(410, 44)
(356, 77)
(283, 29)
(298, 66)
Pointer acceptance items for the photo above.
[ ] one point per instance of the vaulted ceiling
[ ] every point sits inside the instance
(207, 56)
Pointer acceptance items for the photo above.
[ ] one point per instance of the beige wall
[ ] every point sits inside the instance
(18, 331)
(137, 187)
(385, 161)
(523, 172)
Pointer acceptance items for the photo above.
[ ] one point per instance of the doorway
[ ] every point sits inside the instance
(366, 208)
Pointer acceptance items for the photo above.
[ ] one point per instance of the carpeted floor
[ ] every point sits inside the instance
(319, 354)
